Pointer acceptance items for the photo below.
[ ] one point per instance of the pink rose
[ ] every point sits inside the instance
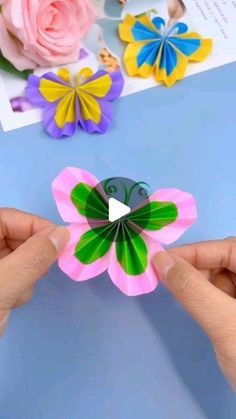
(43, 32)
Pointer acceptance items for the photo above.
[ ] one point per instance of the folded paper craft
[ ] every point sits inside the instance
(67, 105)
(155, 48)
(124, 247)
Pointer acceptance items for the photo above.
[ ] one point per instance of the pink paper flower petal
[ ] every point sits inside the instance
(69, 264)
(62, 187)
(131, 285)
(139, 284)
(187, 214)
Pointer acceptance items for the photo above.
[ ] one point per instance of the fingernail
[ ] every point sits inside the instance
(59, 237)
(163, 262)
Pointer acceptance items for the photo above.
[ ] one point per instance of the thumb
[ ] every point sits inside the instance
(21, 269)
(209, 306)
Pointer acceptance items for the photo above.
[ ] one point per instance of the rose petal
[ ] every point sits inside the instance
(11, 50)
(48, 32)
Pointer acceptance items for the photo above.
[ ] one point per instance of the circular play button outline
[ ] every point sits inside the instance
(126, 192)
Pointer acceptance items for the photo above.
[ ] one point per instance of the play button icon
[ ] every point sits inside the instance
(121, 198)
(117, 209)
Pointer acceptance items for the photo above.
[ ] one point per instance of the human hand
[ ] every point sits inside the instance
(29, 245)
(202, 277)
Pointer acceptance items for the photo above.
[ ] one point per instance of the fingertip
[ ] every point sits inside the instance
(163, 262)
(58, 236)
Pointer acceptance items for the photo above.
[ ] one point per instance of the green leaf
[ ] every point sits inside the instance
(89, 202)
(94, 244)
(131, 251)
(155, 215)
(5, 65)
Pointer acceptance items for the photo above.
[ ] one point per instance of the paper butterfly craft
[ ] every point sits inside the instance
(86, 103)
(124, 247)
(155, 48)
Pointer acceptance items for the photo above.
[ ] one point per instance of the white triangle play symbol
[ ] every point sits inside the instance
(117, 209)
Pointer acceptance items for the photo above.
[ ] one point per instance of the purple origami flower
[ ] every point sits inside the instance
(86, 103)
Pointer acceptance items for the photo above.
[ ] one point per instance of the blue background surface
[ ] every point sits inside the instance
(85, 350)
